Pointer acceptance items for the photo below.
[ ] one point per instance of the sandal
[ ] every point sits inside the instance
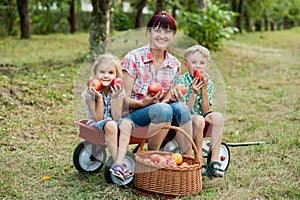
(127, 172)
(213, 171)
(204, 173)
(118, 171)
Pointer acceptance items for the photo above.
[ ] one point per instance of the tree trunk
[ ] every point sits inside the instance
(240, 17)
(257, 25)
(73, 17)
(272, 24)
(140, 6)
(248, 24)
(160, 5)
(24, 18)
(10, 13)
(266, 23)
(100, 24)
(201, 4)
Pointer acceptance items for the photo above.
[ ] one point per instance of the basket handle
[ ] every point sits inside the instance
(178, 130)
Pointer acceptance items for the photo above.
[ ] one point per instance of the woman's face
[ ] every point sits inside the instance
(160, 38)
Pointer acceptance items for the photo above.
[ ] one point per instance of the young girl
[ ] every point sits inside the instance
(104, 110)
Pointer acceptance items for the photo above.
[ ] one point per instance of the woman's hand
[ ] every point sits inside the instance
(176, 95)
(147, 100)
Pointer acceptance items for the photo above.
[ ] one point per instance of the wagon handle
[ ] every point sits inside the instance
(178, 130)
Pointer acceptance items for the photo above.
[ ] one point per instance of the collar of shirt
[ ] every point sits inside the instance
(147, 57)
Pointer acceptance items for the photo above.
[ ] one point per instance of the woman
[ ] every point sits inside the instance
(154, 64)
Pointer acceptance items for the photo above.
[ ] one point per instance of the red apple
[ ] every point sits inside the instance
(199, 73)
(168, 156)
(154, 157)
(153, 89)
(95, 83)
(184, 164)
(116, 81)
(148, 159)
(171, 162)
(182, 88)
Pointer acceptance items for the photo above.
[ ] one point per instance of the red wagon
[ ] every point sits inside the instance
(90, 154)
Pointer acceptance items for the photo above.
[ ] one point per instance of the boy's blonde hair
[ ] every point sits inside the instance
(106, 60)
(204, 51)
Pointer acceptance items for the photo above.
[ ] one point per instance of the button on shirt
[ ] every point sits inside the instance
(139, 64)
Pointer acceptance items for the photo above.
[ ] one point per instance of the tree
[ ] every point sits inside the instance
(160, 5)
(24, 18)
(140, 6)
(237, 7)
(100, 24)
(73, 17)
(201, 4)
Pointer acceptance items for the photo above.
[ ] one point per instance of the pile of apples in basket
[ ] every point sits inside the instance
(174, 159)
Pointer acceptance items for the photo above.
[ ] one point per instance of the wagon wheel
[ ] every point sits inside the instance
(224, 156)
(89, 157)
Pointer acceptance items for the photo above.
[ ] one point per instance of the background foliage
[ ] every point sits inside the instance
(219, 20)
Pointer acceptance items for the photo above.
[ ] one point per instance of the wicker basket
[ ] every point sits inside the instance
(153, 179)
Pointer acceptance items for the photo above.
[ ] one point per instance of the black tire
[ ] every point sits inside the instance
(129, 161)
(89, 157)
(224, 151)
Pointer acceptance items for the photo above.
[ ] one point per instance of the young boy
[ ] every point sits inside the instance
(199, 99)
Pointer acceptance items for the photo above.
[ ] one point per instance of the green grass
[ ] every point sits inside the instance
(261, 73)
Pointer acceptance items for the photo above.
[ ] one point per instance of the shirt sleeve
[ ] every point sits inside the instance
(86, 96)
(128, 64)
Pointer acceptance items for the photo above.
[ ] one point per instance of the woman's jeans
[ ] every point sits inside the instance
(177, 113)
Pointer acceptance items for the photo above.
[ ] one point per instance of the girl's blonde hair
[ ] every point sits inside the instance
(106, 60)
(196, 48)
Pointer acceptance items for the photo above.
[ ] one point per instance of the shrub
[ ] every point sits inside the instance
(208, 27)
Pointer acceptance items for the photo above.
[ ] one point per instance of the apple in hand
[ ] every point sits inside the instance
(95, 83)
(153, 89)
(116, 81)
(199, 73)
(182, 88)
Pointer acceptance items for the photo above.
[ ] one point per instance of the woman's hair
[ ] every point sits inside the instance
(106, 60)
(162, 19)
(204, 51)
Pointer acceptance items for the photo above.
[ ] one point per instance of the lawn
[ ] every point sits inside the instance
(39, 77)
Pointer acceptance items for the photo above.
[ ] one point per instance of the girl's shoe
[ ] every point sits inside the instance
(118, 171)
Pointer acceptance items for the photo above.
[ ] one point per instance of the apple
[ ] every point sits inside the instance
(171, 162)
(95, 83)
(168, 156)
(148, 159)
(153, 89)
(182, 88)
(184, 164)
(162, 160)
(199, 73)
(177, 157)
(116, 81)
(154, 157)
